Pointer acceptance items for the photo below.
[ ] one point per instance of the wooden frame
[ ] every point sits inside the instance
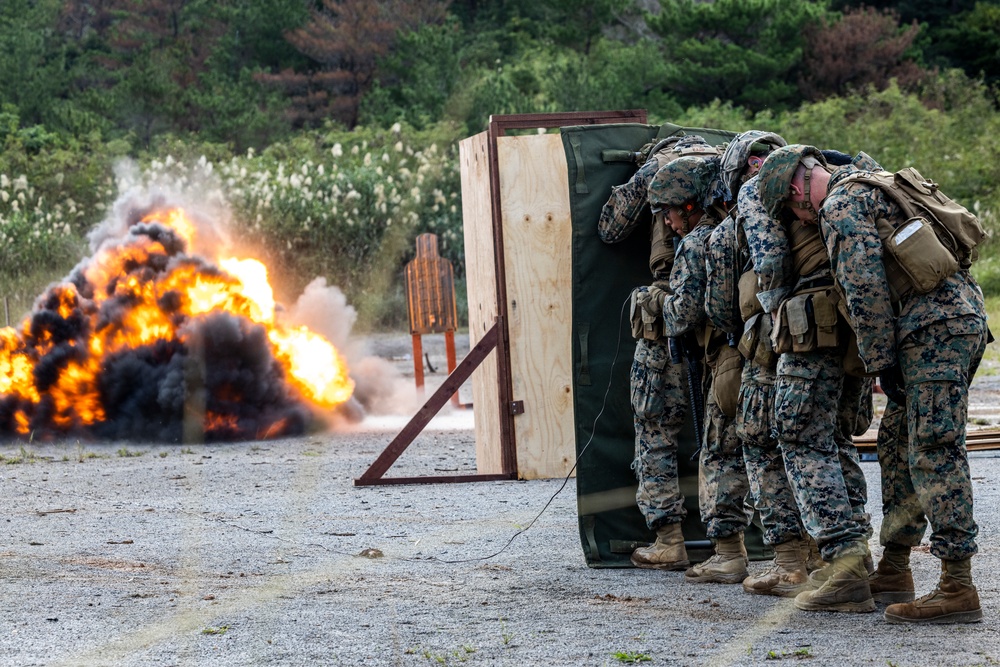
(496, 306)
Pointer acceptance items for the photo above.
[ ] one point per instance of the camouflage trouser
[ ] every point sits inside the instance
(925, 470)
(806, 419)
(660, 404)
(903, 520)
(854, 415)
(772, 494)
(856, 411)
(722, 474)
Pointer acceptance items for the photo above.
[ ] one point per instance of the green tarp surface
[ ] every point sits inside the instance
(604, 275)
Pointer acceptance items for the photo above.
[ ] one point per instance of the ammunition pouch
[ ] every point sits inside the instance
(749, 288)
(755, 343)
(644, 324)
(726, 365)
(920, 261)
(646, 313)
(852, 363)
(807, 321)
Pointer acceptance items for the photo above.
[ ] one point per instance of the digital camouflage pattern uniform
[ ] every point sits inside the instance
(773, 497)
(659, 392)
(812, 408)
(722, 477)
(938, 340)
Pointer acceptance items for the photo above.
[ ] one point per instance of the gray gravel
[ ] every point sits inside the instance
(254, 553)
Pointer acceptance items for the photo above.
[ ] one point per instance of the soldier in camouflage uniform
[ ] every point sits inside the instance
(926, 349)
(816, 404)
(689, 190)
(658, 393)
(726, 261)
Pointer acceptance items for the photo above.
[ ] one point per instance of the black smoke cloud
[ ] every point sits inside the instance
(217, 381)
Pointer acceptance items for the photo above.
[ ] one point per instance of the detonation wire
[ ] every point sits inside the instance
(593, 431)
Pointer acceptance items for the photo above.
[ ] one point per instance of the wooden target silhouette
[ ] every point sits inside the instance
(430, 302)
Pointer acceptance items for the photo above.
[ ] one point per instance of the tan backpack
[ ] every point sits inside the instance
(957, 228)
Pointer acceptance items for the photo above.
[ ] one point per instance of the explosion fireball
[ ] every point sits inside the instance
(146, 339)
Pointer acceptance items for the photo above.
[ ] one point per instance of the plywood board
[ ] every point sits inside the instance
(480, 271)
(537, 228)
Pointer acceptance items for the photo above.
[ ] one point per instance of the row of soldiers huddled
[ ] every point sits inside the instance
(789, 278)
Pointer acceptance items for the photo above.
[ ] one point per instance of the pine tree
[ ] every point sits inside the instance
(345, 40)
(865, 47)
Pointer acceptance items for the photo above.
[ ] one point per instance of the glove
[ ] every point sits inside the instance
(891, 381)
(650, 299)
(642, 154)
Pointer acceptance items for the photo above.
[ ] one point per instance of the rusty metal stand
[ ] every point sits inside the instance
(373, 475)
(498, 337)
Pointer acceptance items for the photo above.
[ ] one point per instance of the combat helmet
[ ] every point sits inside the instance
(739, 150)
(775, 176)
(694, 181)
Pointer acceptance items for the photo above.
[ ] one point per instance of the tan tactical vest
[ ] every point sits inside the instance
(808, 251)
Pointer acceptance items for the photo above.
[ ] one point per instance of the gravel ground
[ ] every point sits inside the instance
(253, 553)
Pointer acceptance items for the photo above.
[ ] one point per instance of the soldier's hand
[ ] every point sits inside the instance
(651, 300)
(642, 154)
(893, 386)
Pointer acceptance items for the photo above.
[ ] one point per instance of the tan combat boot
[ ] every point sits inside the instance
(844, 589)
(666, 553)
(786, 578)
(818, 576)
(727, 566)
(955, 600)
(814, 561)
(892, 581)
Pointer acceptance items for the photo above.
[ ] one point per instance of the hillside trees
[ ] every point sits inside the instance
(745, 51)
(861, 48)
(32, 59)
(971, 40)
(176, 65)
(344, 41)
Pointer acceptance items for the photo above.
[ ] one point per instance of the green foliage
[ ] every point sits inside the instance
(418, 79)
(744, 51)
(40, 236)
(957, 148)
(987, 273)
(971, 40)
(31, 58)
(254, 36)
(604, 78)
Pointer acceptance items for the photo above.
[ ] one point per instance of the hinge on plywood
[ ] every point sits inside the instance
(517, 407)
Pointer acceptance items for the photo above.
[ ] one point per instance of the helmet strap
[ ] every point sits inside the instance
(806, 203)
(687, 209)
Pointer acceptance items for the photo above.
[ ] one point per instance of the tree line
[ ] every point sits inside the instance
(250, 73)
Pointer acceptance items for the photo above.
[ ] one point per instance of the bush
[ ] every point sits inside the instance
(343, 205)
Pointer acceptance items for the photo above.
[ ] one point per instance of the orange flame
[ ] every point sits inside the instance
(137, 295)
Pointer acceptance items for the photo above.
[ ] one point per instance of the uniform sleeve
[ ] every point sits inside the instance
(720, 276)
(621, 213)
(848, 225)
(684, 308)
(769, 248)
